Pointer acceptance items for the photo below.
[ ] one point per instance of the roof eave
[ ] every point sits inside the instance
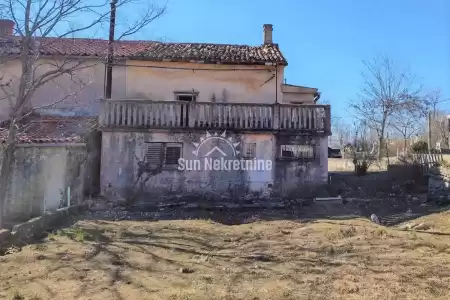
(143, 58)
(213, 62)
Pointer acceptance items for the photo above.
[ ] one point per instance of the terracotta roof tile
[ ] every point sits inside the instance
(51, 129)
(153, 51)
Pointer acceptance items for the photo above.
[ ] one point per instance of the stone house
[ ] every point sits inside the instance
(177, 109)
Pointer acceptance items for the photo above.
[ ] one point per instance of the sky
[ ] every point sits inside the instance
(324, 41)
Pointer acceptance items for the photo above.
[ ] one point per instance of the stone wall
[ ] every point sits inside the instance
(37, 227)
(40, 177)
(439, 183)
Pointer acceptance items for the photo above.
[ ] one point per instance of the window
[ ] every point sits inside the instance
(249, 150)
(172, 154)
(297, 151)
(163, 155)
(186, 95)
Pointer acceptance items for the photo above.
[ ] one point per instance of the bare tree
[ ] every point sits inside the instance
(408, 123)
(439, 129)
(38, 24)
(341, 132)
(432, 100)
(386, 91)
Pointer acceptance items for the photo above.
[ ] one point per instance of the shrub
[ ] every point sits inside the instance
(419, 147)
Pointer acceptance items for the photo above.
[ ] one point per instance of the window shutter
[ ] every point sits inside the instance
(154, 155)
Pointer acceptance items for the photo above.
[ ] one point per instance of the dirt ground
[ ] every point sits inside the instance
(200, 259)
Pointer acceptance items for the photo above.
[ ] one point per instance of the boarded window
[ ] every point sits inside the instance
(249, 150)
(162, 154)
(297, 151)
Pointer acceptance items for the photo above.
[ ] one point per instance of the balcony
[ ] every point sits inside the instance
(141, 114)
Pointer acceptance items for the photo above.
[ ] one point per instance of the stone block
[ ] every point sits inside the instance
(36, 227)
(4, 235)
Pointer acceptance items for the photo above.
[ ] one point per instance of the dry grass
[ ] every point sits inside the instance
(323, 259)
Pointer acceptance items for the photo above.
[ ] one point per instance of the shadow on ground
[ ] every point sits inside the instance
(391, 211)
(200, 259)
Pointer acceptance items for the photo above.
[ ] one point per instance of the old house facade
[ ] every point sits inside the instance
(191, 103)
(174, 104)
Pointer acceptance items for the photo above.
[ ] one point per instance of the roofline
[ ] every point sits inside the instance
(300, 86)
(283, 62)
(151, 41)
(143, 58)
(212, 62)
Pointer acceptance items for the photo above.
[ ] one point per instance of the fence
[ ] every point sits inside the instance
(424, 160)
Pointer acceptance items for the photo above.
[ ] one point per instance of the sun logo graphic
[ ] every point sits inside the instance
(206, 151)
(213, 138)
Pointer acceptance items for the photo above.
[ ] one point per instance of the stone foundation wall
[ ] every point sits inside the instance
(439, 183)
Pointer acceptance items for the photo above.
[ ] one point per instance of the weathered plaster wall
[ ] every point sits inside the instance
(294, 93)
(92, 164)
(122, 152)
(294, 176)
(40, 178)
(120, 169)
(223, 81)
(9, 72)
(79, 93)
(298, 97)
(65, 94)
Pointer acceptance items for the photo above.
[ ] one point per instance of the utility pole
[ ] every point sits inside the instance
(429, 131)
(110, 56)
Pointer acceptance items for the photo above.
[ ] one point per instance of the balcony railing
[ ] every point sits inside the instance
(209, 115)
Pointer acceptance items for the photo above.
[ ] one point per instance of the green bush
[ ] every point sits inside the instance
(419, 147)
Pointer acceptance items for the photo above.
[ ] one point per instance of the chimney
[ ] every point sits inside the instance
(6, 27)
(268, 28)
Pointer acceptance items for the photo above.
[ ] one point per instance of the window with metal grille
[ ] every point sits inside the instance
(249, 150)
(297, 151)
(162, 154)
(172, 153)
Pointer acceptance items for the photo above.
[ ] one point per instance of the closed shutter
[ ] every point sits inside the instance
(154, 155)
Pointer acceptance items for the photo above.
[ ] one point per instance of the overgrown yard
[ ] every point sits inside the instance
(187, 259)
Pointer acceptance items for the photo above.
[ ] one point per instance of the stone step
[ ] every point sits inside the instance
(325, 200)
